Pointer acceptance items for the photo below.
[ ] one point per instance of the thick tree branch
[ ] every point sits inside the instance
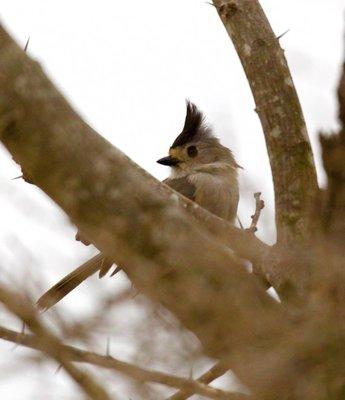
(130, 370)
(280, 113)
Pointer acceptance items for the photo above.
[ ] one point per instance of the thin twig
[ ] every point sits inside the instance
(259, 205)
(213, 373)
(133, 371)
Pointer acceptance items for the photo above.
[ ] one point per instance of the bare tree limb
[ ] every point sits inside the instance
(130, 370)
(49, 344)
(280, 113)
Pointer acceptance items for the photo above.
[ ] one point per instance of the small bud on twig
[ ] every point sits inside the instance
(259, 205)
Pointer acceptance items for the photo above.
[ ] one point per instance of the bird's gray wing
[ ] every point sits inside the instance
(219, 195)
(183, 186)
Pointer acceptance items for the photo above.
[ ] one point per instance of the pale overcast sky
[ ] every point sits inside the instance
(127, 67)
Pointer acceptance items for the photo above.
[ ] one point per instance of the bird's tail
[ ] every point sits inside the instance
(74, 279)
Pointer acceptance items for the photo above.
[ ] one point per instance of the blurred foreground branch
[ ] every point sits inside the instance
(132, 371)
(49, 344)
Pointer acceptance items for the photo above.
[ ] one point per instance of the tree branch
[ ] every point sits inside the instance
(49, 344)
(280, 113)
(130, 370)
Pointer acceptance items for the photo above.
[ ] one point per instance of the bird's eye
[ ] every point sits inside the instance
(192, 151)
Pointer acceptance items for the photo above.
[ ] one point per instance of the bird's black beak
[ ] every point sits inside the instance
(170, 161)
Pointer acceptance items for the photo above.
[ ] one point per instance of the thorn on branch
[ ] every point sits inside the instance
(17, 177)
(20, 335)
(107, 351)
(240, 223)
(27, 44)
(116, 270)
(283, 34)
(259, 205)
(25, 177)
(58, 369)
(210, 375)
(22, 332)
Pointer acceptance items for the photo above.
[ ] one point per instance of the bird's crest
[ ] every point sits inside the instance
(194, 127)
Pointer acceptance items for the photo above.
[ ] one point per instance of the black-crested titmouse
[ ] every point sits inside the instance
(201, 169)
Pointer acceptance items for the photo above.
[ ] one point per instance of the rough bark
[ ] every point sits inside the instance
(278, 107)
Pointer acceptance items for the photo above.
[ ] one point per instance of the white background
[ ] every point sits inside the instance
(127, 67)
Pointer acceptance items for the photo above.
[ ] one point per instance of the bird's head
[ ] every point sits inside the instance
(196, 146)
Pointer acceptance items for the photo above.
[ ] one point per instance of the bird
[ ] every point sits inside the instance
(201, 169)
